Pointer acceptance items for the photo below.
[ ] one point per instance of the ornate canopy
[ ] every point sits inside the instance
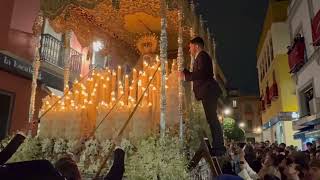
(125, 22)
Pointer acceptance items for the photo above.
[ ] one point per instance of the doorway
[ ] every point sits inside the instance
(6, 107)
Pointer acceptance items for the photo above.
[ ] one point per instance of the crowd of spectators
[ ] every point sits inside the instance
(266, 161)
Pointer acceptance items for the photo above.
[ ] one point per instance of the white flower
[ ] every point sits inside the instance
(60, 146)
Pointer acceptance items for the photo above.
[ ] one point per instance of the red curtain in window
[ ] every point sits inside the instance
(274, 91)
(316, 29)
(267, 96)
(296, 55)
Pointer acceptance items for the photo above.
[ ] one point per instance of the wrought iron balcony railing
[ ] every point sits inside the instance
(52, 52)
(75, 61)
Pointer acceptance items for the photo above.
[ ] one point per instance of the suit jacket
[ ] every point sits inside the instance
(117, 169)
(202, 76)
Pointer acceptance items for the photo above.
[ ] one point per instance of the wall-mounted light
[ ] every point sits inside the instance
(97, 46)
(227, 111)
(242, 125)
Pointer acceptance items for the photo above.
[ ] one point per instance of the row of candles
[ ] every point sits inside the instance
(105, 87)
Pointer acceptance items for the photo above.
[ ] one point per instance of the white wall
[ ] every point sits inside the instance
(316, 6)
(301, 19)
(266, 135)
(308, 73)
(49, 30)
(280, 37)
(288, 134)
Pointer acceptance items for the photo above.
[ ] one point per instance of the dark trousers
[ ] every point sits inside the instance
(209, 103)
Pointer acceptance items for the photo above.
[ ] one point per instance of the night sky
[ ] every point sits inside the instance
(236, 26)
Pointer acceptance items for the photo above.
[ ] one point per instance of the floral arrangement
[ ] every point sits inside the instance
(154, 157)
(157, 157)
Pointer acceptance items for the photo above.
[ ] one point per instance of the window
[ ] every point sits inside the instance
(234, 103)
(249, 123)
(306, 96)
(248, 108)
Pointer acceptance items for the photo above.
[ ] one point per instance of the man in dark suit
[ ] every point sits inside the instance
(206, 90)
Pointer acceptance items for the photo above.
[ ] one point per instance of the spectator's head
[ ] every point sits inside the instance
(295, 171)
(318, 154)
(314, 169)
(196, 45)
(301, 158)
(248, 150)
(282, 146)
(309, 146)
(270, 160)
(267, 143)
(68, 168)
(259, 153)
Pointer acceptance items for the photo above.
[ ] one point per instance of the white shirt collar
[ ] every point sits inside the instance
(195, 57)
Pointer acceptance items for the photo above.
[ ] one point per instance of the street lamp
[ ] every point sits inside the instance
(258, 130)
(97, 46)
(242, 125)
(227, 111)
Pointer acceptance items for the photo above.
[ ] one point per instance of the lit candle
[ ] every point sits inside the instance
(130, 93)
(145, 98)
(126, 89)
(158, 77)
(120, 88)
(113, 81)
(113, 97)
(144, 80)
(108, 90)
(109, 74)
(145, 65)
(119, 74)
(134, 75)
(154, 96)
(139, 89)
(174, 66)
(103, 93)
(76, 97)
(150, 93)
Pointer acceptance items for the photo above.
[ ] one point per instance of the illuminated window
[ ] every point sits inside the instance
(234, 103)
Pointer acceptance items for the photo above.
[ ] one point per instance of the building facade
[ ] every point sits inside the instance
(18, 42)
(304, 62)
(246, 112)
(277, 89)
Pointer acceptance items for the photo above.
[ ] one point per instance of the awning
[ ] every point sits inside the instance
(313, 134)
(306, 121)
(316, 29)
(299, 135)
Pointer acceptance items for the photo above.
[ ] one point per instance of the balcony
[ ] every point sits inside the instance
(52, 53)
(316, 29)
(296, 54)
